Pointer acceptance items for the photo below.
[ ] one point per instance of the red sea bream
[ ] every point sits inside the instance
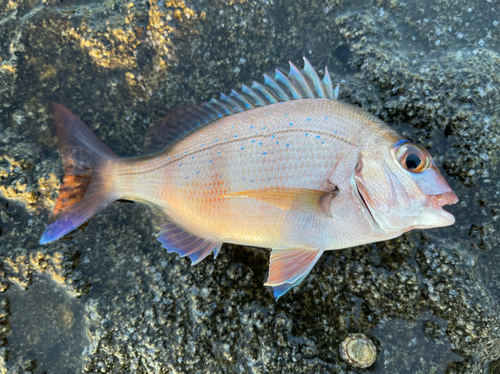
(283, 165)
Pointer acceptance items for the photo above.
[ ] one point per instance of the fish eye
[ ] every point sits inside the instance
(413, 158)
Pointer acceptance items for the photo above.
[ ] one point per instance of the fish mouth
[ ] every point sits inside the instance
(438, 201)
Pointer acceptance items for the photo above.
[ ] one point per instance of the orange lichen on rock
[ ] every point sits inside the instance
(21, 190)
(116, 46)
(18, 189)
(120, 53)
(48, 186)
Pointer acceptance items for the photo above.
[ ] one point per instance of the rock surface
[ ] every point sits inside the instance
(108, 298)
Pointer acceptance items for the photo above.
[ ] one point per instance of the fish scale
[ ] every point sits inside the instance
(282, 164)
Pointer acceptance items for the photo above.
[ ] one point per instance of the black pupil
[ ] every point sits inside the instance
(412, 161)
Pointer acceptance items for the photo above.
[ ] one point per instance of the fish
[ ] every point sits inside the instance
(282, 164)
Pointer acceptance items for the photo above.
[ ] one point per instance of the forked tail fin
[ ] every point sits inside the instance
(87, 187)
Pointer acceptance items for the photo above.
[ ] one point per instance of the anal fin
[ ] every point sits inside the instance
(288, 267)
(175, 238)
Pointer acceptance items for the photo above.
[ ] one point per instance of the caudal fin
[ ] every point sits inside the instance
(86, 189)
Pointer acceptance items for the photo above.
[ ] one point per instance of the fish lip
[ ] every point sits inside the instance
(447, 198)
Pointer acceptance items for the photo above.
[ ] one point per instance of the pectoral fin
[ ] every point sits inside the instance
(297, 199)
(289, 267)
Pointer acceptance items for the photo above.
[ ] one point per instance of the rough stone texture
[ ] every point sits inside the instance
(429, 300)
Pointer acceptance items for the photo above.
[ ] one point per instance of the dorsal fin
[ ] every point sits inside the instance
(298, 84)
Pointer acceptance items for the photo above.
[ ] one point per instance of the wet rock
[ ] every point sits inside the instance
(428, 298)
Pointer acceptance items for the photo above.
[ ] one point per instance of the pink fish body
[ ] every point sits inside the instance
(282, 165)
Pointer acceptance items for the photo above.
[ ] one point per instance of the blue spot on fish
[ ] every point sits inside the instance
(335, 132)
(198, 172)
(180, 165)
(253, 141)
(277, 142)
(218, 152)
(265, 153)
(399, 142)
(236, 136)
(291, 124)
(242, 148)
(317, 136)
(251, 127)
(260, 143)
(215, 141)
(326, 118)
(288, 145)
(308, 119)
(307, 133)
(210, 161)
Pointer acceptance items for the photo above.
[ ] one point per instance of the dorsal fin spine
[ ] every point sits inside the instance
(268, 94)
(232, 104)
(228, 107)
(279, 93)
(279, 77)
(327, 85)
(256, 99)
(210, 110)
(241, 98)
(299, 81)
(336, 92)
(310, 73)
(217, 107)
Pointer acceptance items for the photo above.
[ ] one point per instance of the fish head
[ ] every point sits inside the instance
(402, 189)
